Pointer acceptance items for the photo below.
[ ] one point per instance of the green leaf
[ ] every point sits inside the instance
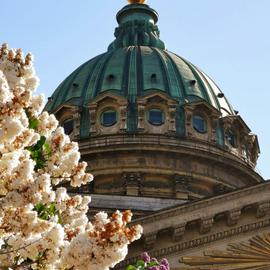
(60, 220)
(153, 263)
(44, 216)
(41, 142)
(48, 149)
(140, 264)
(39, 207)
(37, 153)
(40, 255)
(131, 267)
(33, 122)
(52, 209)
(46, 212)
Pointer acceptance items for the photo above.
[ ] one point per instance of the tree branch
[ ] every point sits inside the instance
(23, 266)
(15, 250)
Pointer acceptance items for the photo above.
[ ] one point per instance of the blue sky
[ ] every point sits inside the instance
(228, 39)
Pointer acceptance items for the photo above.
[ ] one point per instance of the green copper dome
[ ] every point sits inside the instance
(137, 64)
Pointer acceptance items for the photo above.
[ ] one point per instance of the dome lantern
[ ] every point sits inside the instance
(137, 27)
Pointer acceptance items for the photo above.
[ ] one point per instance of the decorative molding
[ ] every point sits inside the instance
(150, 240)
(141, 117)
(172, 117)
(213, 135)
(181, 186)
(254, 254)
(123, 118)
(178, 232)
(132, 182)
(206, 224)
(262, 208)
(211, 116)
(163, 102)
(154, 142)
(234, 195)
(76, 113)
(221, 189)
(102, 102)
(201, 241)
(93, 118)
(233, 217)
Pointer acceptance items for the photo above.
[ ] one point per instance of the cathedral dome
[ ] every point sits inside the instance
(136, 71)
(150, 122)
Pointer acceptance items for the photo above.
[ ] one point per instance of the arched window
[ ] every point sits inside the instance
(199, 124)
(156, 117)
(231, 139)
(108, 118)
(68, 126)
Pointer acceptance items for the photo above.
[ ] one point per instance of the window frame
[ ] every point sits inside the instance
(162, 118)
(107, 110)
(229, 135)
(67, 120)
(205, 130)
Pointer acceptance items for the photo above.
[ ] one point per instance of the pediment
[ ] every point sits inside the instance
(109, 97)
(63, 108)
(158, 98)
(202, 105)
(237, 121)
(252, 254)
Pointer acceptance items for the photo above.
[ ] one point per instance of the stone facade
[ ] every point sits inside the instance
(210, 224)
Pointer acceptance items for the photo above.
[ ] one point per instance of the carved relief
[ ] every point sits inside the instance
(262, 209)
(233, 217)
(76, 112)
(105, 102)
(150, 240)
(209, 114)
(253, 148)
(132, 183)
(201, 241)
(246, 144)
(141, 115)
(178, 232)
(67, 111)
(206, 224)
(241, 256)
(123, 117)
(161, 102)
(181, 185)
(93, 118)
(221, 189)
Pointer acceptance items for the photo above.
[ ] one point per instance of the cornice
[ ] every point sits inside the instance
(203, 240)
(263, 188)
(164, 143)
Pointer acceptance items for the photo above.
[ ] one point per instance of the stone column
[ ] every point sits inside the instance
(76, 113)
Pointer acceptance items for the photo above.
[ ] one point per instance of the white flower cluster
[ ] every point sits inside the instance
(40, 224)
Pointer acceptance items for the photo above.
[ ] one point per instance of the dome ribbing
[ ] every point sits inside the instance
(135, 71)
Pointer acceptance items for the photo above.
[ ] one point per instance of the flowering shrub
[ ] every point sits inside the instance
(148, 263)
(41, 226)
